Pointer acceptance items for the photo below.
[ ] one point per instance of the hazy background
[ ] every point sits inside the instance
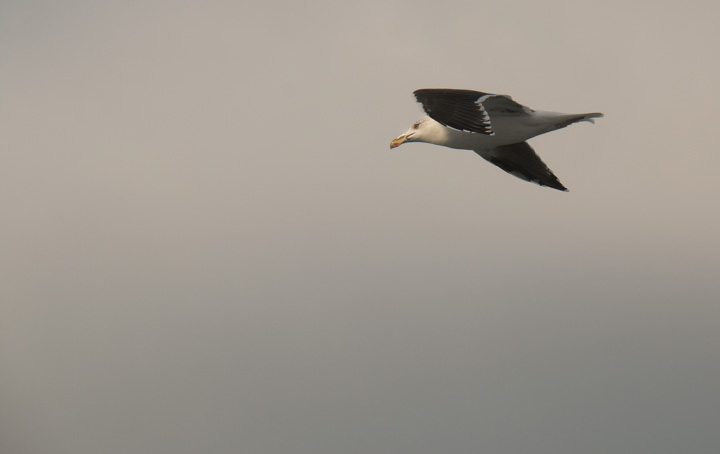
(207, 246)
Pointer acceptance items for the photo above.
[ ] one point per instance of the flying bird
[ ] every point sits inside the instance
(493, 126)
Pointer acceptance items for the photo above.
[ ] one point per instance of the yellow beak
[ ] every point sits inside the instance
(398, 141)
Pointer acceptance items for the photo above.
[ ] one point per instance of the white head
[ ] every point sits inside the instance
(419, 132)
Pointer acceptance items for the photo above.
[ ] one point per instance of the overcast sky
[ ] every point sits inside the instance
(207, 245)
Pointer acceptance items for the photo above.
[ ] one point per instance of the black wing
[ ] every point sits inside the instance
(466, 110)
(519, 159)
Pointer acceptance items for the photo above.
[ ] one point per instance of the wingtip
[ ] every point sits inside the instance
(556, 185)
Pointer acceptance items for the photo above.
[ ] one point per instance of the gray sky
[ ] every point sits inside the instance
(207, 245)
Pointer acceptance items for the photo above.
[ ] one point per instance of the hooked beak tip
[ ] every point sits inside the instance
(397, 142)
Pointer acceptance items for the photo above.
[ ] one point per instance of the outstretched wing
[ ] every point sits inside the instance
(466, 110)
(519, 159)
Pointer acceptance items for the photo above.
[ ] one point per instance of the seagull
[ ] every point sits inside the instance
(493, 126)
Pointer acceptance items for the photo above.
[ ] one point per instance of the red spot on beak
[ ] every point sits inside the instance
(397, 142)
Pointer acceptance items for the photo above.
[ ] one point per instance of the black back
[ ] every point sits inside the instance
(458, 109)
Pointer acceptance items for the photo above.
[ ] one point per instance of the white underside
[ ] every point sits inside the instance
(509, 129)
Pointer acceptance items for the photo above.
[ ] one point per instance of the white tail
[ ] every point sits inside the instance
(590, 117)
(566, 120)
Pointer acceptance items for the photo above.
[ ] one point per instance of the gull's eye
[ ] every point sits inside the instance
(415, 126)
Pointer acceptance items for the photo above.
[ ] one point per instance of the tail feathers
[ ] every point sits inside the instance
(590, 117)
(582, 117)
(570, 119)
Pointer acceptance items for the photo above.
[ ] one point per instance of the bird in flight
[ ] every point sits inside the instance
(493, 126)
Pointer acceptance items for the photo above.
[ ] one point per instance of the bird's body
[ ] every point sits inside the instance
(494, 126)
(508, 130)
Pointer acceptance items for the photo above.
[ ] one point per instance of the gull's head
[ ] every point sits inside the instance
(414, 134)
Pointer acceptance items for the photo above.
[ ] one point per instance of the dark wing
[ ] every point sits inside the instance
(466, 110)
(519, 159)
